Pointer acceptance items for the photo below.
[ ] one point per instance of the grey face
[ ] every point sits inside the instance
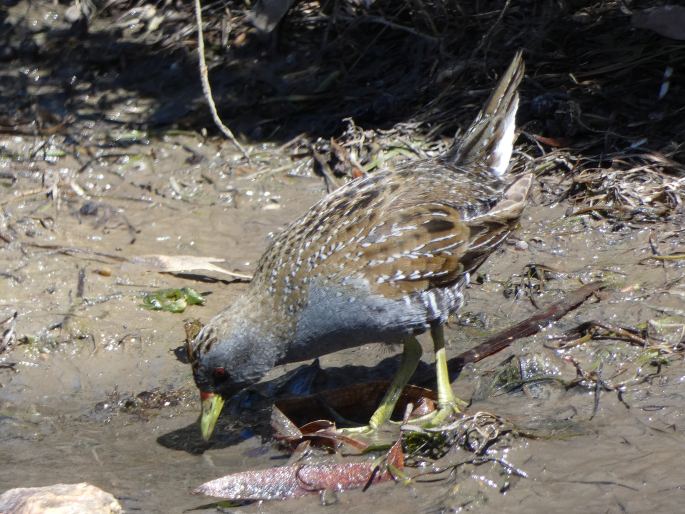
(210, 379)
(210, 373)
(232, 352)
(216, 379)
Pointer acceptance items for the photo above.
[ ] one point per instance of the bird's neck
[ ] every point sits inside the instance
(269, 312)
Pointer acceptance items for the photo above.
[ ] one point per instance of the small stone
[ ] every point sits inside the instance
(521, 245)
(59, 499)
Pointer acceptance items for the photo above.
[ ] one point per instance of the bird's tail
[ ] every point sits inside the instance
(489, 141)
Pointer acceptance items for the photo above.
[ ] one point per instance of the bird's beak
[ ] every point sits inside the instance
(211, 408)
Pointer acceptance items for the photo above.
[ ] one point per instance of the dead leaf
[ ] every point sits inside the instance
(319, 432)
(552, 141)
(180, 264)
(298, 480)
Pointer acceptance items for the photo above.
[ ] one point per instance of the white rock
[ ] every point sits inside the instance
(80, 498)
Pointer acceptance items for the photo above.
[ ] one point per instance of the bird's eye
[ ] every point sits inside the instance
(219, 372)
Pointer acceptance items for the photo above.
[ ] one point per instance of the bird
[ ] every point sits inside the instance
(381, 259)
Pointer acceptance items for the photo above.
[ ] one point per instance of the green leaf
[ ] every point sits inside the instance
(172, 300)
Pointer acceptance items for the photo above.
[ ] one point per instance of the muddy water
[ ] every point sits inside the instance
(96, 391)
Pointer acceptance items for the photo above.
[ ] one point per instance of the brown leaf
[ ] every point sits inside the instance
(298, 480)
(552, 141)
(319, 432)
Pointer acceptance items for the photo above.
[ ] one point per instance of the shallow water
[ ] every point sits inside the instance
(68, 411)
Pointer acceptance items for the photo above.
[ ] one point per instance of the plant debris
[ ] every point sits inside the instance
(181, 264)
(172, 299)
(297, 480)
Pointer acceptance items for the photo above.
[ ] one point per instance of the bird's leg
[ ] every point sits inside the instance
(448, 404)
(411, 355)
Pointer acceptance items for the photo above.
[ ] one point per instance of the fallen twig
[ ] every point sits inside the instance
(525, 328)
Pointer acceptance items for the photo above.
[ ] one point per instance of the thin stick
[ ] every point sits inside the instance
(206, 88)
(486, 38)
(525, 328)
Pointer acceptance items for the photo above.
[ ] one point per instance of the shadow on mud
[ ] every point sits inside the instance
(188, 439)
(249, 412)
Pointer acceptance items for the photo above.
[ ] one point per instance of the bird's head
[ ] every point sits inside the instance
(232, 352)
(213, 374)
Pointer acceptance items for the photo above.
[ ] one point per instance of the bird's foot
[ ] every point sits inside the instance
(365, 430)
(445, 411)
(371, 437)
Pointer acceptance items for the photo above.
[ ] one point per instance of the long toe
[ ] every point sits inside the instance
(442, 415)
(366, 431)
(370, 437)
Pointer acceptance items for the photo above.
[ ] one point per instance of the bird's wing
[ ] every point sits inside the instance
(432, 244)
(415, 248)
(490, 229)
(402, 237)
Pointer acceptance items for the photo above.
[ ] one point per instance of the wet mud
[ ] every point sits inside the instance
(93, 390)
(94, 387)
